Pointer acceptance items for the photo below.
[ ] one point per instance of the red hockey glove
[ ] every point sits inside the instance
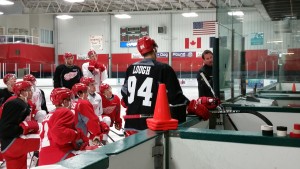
(29, 127)
(104, 127)
(198, 109)
(81, 141)
(101, 67)
(123, 103)
(209, 102)
(118, 124)
(91, 147)
(92, 65)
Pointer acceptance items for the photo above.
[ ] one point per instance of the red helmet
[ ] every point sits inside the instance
(87, 80)
(79, 87)
(91, 53)
(7, 77)
(29, 77)
(19, 86)
(68, 55)
(103, 87)
(59, 94)
(146, 44)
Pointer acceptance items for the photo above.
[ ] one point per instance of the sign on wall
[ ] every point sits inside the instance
(130, 35)
(257, 38)
(96, 42)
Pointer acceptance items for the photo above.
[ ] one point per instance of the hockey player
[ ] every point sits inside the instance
(66, 75)
(94, 69)
(85, 118)
(141, 83)
(38, 97)
(111, 108)
(18, 136)
(9, 80)
(94, 98)
(59, 137)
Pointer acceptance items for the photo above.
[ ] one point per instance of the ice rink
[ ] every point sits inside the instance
(190, 92)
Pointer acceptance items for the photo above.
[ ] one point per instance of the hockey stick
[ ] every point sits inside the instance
(136, 116)
(110, 138)
(121, 135)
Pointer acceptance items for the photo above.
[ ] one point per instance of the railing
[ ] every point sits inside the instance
(19, 39)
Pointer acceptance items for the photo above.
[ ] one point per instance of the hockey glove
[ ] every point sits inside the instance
(92, 66)
(198, 109)
(81, 141)
(118, 124)
(29, 127)
(123, 103)
(104, 128)
(101, 67)
(209, 102)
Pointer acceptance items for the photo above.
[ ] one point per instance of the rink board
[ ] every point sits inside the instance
(195, 148)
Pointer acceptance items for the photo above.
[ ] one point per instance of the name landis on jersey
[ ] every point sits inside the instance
(141, 70)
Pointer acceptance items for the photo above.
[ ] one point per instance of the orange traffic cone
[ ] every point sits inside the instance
(294, 87)
(162, 116)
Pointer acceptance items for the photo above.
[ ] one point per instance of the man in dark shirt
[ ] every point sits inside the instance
(141, 84)
(9, 80)
(68, 74)
(18, 135)
(206, 69)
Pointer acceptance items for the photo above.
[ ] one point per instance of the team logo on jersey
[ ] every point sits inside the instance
(109, 110)
(70, 75)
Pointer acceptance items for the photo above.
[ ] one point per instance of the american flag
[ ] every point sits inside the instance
(204, 28)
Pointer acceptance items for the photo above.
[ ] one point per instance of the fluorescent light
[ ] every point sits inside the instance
(275, 41)
(122, 16)
(1, 13)
(72, 1)
(64, 17)
(236, 13)
(5, 2)
(190, 14)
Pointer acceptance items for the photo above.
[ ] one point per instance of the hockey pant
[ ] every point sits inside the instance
(15, 154)
(53, 154)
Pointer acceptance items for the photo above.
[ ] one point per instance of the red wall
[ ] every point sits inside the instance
(23, 54)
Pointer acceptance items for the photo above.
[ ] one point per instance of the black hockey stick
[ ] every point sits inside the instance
(121, 135)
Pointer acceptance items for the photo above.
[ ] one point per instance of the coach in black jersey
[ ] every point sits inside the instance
(68, 74)
(141, 83)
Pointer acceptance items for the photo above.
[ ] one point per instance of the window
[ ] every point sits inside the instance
(46, 36)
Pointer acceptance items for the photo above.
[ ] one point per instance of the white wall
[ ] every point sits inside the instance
(73, 35)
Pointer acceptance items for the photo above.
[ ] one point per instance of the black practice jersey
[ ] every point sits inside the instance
(140, 88)
(203, 89)
(4, 95)
(67, 76)
(14, 112)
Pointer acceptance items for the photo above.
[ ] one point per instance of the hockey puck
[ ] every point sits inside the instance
(281, 131)
(267, 130)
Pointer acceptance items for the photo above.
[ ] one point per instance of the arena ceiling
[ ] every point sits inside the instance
(274, 9)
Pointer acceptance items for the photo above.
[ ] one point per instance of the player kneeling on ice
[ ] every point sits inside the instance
(18, 136)
(111, 107)
(94, 98)
(140, 89)
(59, 137)
(85, 118)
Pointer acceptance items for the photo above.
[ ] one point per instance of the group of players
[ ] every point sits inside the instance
(82, 117)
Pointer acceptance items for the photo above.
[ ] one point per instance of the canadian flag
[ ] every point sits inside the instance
(192, 43)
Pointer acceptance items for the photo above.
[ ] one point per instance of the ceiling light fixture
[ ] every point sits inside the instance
(6, 2)
(236, 13)
(73, 1)
(64, 17)
(122, 16)
(275, 41)
(189, 14)
(1, 13)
